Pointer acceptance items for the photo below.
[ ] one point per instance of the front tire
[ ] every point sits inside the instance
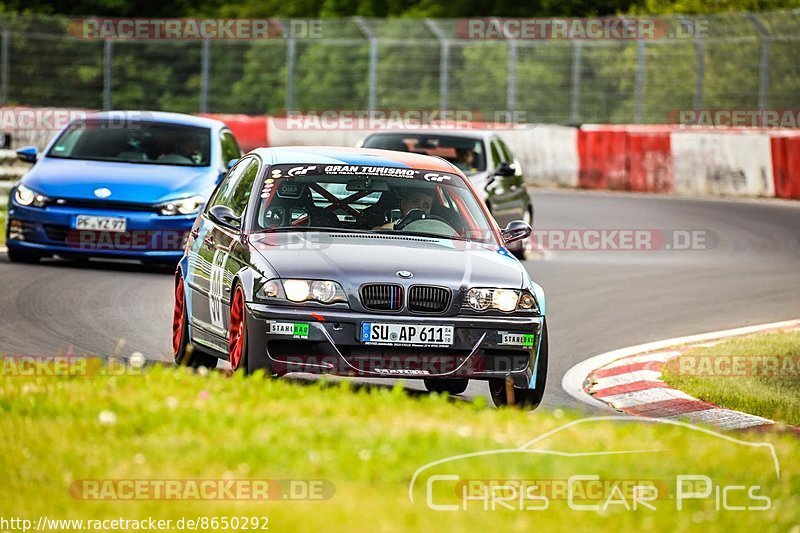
(184, 352)
(237, 332)
(528, 399)
(450, 386)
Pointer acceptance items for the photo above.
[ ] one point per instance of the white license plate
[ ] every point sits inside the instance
(93, 223)
(406, 334)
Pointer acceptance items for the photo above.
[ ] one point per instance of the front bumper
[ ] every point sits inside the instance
(331, 345)
(51, 230)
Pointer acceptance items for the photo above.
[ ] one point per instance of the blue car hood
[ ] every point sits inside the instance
(128, 182)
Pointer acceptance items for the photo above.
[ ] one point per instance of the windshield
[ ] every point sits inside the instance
(465, 153)
(135, 142)
(360, 198)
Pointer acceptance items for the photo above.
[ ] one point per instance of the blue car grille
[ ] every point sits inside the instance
(382, 297)
(56, 233)
(104, 204)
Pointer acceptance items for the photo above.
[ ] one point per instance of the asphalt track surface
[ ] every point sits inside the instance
(596, 300)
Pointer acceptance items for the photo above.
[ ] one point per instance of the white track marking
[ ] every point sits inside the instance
(625, 379)
(576, 376)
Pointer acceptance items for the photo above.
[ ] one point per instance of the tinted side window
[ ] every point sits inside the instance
(507, 155)
(223, 194)
(496, 155)
(230, 148)
(243, 188)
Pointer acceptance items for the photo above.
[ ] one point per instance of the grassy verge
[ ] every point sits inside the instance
(171, 424)
(758, 375)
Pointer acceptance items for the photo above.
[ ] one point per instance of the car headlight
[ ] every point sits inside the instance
(28, 197)
(505, 300)
(302, 290)
(184, 206)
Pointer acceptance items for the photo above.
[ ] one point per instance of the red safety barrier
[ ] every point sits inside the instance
(628, 158)
(250, 131)
(601, 154)
(649, 157)
(786, 164)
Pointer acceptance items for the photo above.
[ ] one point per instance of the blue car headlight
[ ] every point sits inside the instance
(183, 206)
(26, 196)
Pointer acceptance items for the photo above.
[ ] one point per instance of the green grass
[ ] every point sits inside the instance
(772, 396)
(368, 442)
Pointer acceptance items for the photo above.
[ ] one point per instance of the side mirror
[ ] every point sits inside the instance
(223, 216)
(516, 230)
(28, 154)
(505, 169)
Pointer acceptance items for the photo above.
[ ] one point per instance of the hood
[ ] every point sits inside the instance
(353, 260)
(128, 182)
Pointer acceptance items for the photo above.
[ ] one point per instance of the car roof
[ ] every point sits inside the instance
(339, 155)
(439, 132)
(158, 116)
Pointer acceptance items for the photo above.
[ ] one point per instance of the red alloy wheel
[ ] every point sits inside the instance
(178, 324)
(236, 335)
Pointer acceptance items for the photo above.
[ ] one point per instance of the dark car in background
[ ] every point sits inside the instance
(360, 262)
(483, 157)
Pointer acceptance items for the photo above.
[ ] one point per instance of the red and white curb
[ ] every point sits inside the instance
(629, 380)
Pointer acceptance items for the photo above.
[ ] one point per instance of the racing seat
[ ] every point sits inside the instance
(375, 215)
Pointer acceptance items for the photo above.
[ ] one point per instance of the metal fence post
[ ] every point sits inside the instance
(763, 63)
(639, 87)
(575, 102)
(205, 67)
(699, 72)
(4, 67)
(372, 99)
(511, 96)
(444, 76)
(444, 64)
(108, 54)
(291, 53)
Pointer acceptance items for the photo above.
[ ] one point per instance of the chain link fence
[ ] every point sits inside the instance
(734, 61)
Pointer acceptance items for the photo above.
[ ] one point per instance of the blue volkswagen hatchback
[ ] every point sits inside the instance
(118, 185)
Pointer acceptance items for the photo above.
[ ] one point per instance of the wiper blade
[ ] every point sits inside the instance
(283, 229)
(420, 234)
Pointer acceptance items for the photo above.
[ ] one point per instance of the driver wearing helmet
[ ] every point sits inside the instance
(410, 199)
